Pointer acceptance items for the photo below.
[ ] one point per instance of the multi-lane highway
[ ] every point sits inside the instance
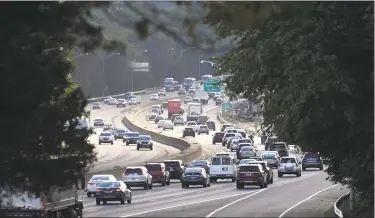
(282, 198)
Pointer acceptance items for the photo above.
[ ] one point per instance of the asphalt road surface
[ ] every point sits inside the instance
(288, 196)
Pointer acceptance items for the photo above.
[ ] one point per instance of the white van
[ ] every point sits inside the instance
(158, 107)
(223, 167)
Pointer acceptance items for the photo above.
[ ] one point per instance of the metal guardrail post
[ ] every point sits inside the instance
(337, 211)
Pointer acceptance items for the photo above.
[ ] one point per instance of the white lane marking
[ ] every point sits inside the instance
(227, 205)
(192, 203)
(316, 193)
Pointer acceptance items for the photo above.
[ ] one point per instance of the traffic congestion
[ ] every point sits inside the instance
(242, 163)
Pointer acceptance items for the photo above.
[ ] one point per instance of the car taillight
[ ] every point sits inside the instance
(97, 190)
(90, 183)
(118, 190)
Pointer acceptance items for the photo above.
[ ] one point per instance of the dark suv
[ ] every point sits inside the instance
(280, 147)
(175, 168)
(251, 174)
(188, 131)
(217, 137)
(311, 160)
(267, 169)
(211, 125)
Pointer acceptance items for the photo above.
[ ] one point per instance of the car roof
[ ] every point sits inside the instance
(133, 132)
(172, 160)
(144, 136)
(139, 167)
(106, 132)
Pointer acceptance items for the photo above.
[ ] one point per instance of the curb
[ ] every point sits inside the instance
(337, 211)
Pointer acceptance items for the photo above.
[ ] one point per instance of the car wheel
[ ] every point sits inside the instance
(168, 182)
(111, 143)
(145, 186)
(104, 202)
(239, 186)
(163, 184)
(89, 194)
(321, 168)
(150, 186)
(205, 185)
(100, 143)
(123, 200)
(265, 185)
(261, 185)
(233, 180)
(97, 201)
(271, 180)
(129, 201)
(182, 185)
(186, 186)
(303, 168)
(279, 175)
(137, 148)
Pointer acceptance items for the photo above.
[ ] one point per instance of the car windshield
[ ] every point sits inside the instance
(193, 170)
(288, 160)
(199, 163)
(121, 100)
(191, 124)
(189, 129)
(219, 134)
(96, 178)
(249, 169)
(132, 134)
(244, 141)
(133, 171)
(229, 135)
(269, 156)
(203, 127)
(278, 146)
(98, 120)
(109, 185)
(172, 164)
(105, 134)
(245, 161)
(121, 131)
(142, 137)
(246, 148)
(153, 167)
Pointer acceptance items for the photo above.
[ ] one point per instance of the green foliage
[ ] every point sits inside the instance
(312, 68)
(39, 149)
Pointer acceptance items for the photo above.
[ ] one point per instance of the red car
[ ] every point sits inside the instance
(217, 137)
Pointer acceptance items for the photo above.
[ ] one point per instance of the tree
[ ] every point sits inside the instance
(36, 61)
(311, 66)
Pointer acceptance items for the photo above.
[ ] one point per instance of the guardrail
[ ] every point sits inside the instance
(337, 211)
(119, 95)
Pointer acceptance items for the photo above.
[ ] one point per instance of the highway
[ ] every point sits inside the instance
(282, 198)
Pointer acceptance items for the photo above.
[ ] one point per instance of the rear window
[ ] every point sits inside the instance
(249, 169)
(225, 161)
(199, 163)
(288, 160)
(120, 131)
(144, 138)
(105, 134)
(132, 134)
(172, 164)
(193, 170)
(99, 178)
(230, 135)
(269, 156)
(246, 148)
(244, 141)
(279, 146)
(219, 134)
(216, 161)
(153, 167)
(133, 171)
(109, 185)
(189, 129)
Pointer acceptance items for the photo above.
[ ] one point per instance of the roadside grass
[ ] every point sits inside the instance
(330, 212)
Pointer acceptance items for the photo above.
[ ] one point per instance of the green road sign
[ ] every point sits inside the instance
(227, 105)
(211, 87)
(213, 80)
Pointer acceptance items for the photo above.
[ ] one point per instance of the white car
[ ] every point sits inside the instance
(133, 101)
(152, 116)
(113, 101)
(289, 165)
(96, 106)
(154, 97)
(161, 123)
(178, 121)
(168, 125)
(192, 124)
(137, 177)
(162, 92)
(96, 180)
(106, 101)
(121, 103)
(106, 137)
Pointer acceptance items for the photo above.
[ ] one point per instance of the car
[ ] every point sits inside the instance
(144, 141)
(231, 140)
(196, 100)
(131, 138)
(107, 126)
(230, 130)
(201, 163)
(174, 116)
(242, 132)
(152, 116)
(289, 165)
(224, 126)
(280, 147)
(202, 119)
(133, 101)
(129, 95)
(113, 191)
(161, 123)
(96, 180)
(246, 161)
(218, 101)
(188, 131)
(211, 125)
(178, 121)
(203, 129)
(154, 97)
(106, 137)
(312, 160)
(137, 177)
(168, 125)
(270, 140)
(158, 118)
(157, 107)
(175, 168)
(112, 101)
(187, 100)
(226, 138)
(267, 169)
(191, 90)
(164, 105)
(195, 176)
(251, 174)
(217, 137)
(106, 101)
(121, 103)
(162, 92)
(120, 133)
(271, 158)
(241, 145)
(96, 106)
(98, 123)
(191, 123)
(211, 94)
(159, 173)
(181, 92)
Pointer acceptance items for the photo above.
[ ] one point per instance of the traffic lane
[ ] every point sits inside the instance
(196, 205)
(162, 197)
(278, 198)
(317, 205)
